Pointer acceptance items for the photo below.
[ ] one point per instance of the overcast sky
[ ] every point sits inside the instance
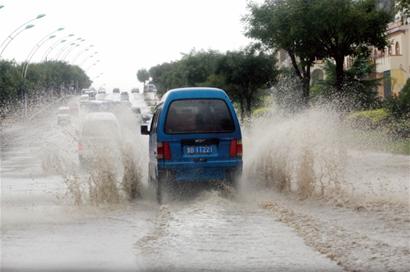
(128, 34)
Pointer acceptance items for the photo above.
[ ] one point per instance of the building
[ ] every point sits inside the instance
(393, 62)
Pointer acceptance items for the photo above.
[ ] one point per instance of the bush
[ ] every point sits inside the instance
(399, 106)
(369, 119)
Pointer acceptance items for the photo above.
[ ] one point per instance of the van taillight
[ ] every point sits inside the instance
(163, 151)
(80, 147)
(235, 149)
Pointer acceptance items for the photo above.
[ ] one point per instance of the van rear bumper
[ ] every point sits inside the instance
(198, 172)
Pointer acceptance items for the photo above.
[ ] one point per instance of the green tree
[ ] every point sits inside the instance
(10, 82)
(288, 25)
(403, 6)
(191, 70)
(317, 29)
(343, 27)
(167, 76)
(243, 74)
(399, 105)
(143, 76)
(360, 88)
(42, 80)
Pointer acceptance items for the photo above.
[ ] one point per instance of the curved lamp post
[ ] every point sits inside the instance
(68, 45)
(98, 76)
(1, 6)
(17, 31)
(72, 48)
(81, 53)
(54, 45)
(87, 58)
(92, 65)
(12, 38)
(33, 51)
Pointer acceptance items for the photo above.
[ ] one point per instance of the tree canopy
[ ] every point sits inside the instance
(42, 79)
(288, 25)
(403, 6)
(192, 69)
(241, 73)
(315, 29)
(244, 73)
(142, 75)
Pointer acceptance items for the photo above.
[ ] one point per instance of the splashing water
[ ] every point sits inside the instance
(313, 154)
(114, 174)
(301, 152)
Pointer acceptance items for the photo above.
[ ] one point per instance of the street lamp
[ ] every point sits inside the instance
(12, 38)
(87, 58)
(1, 6)
(81, 53)
(69, 50)
(43, 40)
(31, 55)
(92, 65)
(68, 45)
(17, 31)
(54, 45)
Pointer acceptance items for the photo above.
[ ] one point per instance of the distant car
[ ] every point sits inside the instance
(150, 88)
(84, 98)
(63, 116)
(100, 96)
(195, 136)
(124, 96)
(116, 90)
(135, 90)
(99, 139)
(92, 95)
(85, 91)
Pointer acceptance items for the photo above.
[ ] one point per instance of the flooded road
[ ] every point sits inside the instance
(253, 230)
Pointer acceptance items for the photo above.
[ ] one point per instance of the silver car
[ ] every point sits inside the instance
(100, 139)
(63, 116)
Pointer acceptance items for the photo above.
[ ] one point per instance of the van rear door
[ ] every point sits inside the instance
(201, 130)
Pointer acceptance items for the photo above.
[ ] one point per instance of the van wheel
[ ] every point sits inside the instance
(233, 179)
(163, 189)
(159, 190)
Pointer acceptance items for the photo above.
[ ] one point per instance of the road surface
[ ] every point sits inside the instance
(254, 230)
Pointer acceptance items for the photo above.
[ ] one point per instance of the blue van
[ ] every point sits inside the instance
(195, 136)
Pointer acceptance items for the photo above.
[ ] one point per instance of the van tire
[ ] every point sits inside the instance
(164, 190)
(159, 189)
(233, 178)
(162, 187)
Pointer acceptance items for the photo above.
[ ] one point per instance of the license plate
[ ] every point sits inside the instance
(199, 149)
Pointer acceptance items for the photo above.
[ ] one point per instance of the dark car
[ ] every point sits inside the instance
(124, 96)
(195, 137)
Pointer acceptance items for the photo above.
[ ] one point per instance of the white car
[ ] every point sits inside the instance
(63, 116)
(84, 98)
(100, 139)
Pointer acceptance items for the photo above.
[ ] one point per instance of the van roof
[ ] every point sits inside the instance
(194, 92)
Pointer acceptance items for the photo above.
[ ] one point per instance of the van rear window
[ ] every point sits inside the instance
(198, 116)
